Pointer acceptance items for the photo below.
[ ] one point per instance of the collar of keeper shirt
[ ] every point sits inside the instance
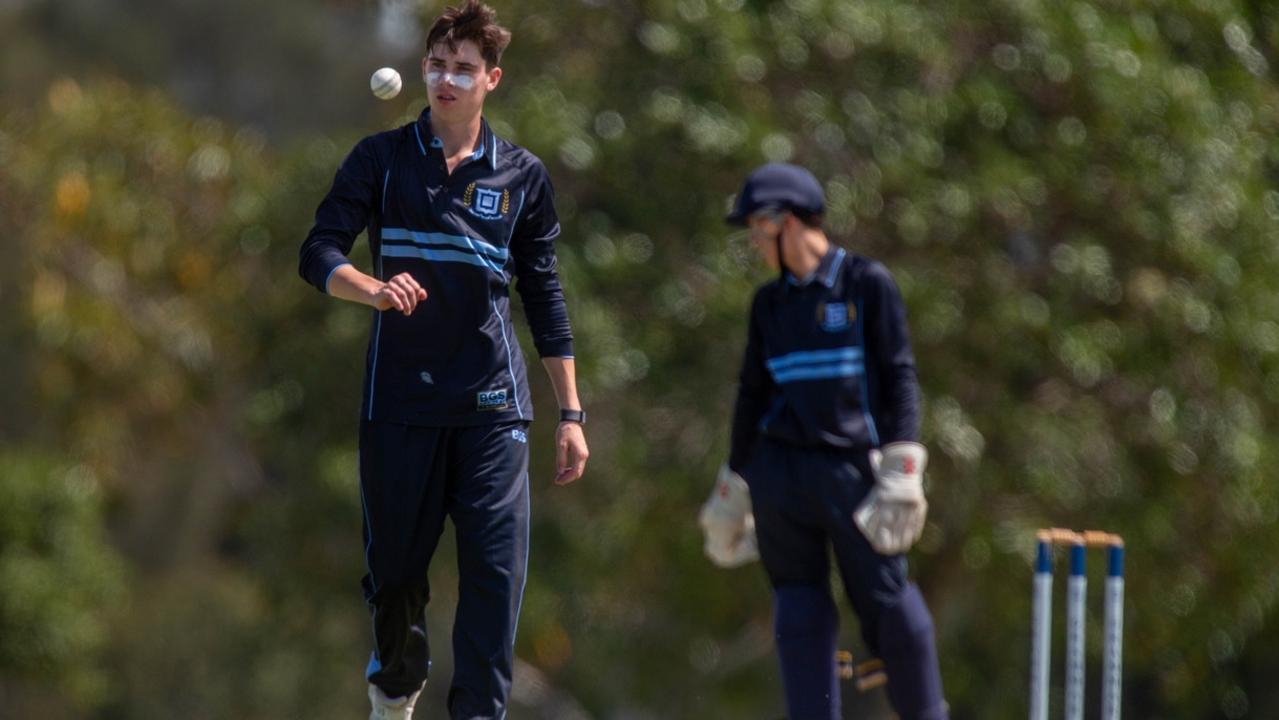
(464, 237)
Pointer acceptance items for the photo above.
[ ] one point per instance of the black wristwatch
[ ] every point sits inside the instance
(577, 416)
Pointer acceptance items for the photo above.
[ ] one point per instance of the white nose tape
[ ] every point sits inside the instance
(436, 78)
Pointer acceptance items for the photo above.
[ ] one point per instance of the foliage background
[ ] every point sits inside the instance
(1077, 198)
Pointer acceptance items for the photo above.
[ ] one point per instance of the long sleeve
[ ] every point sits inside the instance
(340, 217)
(895, 390)
(754, 389)
(537, 277)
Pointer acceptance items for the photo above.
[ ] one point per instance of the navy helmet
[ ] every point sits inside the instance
(778, 186)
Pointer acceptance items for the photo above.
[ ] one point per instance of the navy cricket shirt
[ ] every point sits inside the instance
(828, 362)
(465, 238)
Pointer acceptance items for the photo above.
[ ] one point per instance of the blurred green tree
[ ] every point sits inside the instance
(59, 573)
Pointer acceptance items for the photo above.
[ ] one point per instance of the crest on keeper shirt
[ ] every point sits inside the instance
(487, 203)
(835, 317)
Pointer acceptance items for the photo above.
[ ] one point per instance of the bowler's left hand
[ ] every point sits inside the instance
(570, 452)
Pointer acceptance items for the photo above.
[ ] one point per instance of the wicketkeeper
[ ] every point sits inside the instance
(825, 437)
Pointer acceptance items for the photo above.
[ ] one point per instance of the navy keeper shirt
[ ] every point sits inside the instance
(827, 362)
(465, 238)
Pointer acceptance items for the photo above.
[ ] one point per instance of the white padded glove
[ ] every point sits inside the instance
(892, 516)
(727, 521)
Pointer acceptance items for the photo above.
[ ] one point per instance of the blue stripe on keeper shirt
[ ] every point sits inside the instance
(824, 371)
(867, 400)
(812, 357)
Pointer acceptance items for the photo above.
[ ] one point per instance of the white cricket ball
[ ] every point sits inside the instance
(386, 83)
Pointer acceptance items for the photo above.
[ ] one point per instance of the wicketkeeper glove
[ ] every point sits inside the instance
(892, 516)
(728, 523)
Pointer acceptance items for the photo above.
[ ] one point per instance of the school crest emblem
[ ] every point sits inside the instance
(487, 203)
(836, 317)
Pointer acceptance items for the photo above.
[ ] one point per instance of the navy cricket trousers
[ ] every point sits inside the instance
(803, 500)
(411, 478)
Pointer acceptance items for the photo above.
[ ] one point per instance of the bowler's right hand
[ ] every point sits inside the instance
(401, 293)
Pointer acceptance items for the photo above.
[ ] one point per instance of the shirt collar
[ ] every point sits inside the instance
(487, 144)
(826, 271)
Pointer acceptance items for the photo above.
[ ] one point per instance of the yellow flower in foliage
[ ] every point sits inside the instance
(71, 197)
(194, 271)
(65, 96)
(552, 647)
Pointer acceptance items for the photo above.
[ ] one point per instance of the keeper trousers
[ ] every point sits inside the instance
(803, 500)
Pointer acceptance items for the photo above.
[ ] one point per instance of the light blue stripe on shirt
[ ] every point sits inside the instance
(825, 371)
(457, 241)
(811, 357)
(413, 251)
(329, 277)
(418, 134)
